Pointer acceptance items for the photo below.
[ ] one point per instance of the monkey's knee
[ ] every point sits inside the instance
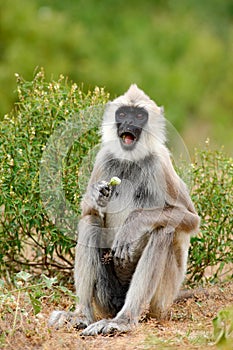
(59, 319)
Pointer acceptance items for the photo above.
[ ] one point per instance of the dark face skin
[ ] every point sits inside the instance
(130, 122)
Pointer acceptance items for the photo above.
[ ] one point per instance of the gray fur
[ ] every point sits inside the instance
(133, 238)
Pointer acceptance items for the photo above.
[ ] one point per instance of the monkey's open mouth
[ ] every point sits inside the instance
(128, 138)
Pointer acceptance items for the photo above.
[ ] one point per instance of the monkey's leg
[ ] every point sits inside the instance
(172, 277)
(87, 264)
(145, 281)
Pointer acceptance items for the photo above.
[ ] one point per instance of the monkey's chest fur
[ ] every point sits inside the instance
(142, 186)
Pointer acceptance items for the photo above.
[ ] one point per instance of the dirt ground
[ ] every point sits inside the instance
(188, 327)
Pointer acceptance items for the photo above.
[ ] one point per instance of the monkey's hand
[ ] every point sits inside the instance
(101, 193)
(133, 236)
(128, 245)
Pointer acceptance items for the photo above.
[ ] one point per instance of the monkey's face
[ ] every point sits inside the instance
(130, 122)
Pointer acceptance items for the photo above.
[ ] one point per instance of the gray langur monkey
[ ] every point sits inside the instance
(133, 238)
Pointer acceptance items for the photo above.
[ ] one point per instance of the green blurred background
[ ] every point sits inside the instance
(179, 51)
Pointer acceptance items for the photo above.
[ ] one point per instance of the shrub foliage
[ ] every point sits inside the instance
(28, 236)
(47, 147)
(212, 195)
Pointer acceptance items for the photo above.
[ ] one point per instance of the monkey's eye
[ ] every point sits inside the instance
(122, 114)
(139, 115)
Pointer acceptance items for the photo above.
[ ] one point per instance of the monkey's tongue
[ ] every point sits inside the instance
(128, 138)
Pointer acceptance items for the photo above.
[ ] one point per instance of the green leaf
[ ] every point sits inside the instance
(36, 303)
(67, 291)
(23, 275)
(49, 281)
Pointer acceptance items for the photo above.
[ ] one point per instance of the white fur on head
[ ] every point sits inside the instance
(153, 134)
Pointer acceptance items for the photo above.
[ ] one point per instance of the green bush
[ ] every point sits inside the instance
(212, 195)
(29, 236)
(47, 148)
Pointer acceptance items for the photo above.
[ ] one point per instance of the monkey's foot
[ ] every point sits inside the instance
(107, 327)
(59, 319)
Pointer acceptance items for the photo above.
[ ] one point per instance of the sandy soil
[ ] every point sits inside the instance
(188, 327)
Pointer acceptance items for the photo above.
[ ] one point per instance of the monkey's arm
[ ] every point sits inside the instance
(131, 238)
(177, 215)
(177, 195)
(176, 191)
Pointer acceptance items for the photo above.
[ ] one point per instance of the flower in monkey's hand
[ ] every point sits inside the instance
(114, 181)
